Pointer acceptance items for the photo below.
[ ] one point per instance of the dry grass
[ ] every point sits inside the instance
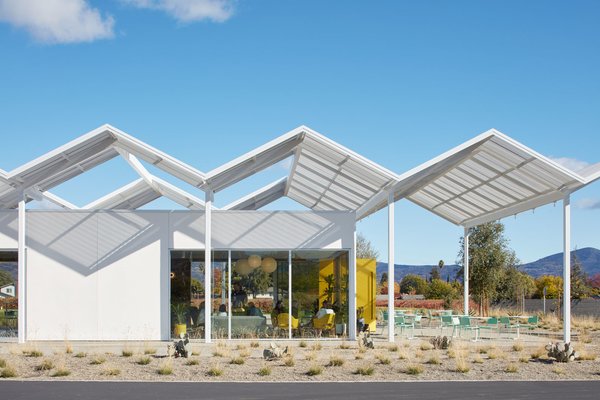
(434, 359)
(245, 353)
(558, 370)
(219, 352)
(584, 355)
(126, 353)
(524, 359)
(143, 360)
(46, 365)
(60, 371)
(345, 346)
(215, 370)
(241, 346)
(265, 371)
(310, 356)
(81, 354)
(511, 368)
(414, 369)
(494, 353)
(336, 361)
(393, 348)
(2, 363)
(149, 350)
(538, 353)
(97, 360)
(461, 359)
(8, 372)
(317, 346)
(358, 355)
(289, 361)
(425, 346)
(238, 361)
(588, 322)
(192, 361)
(314, 370)
(518, 346)
(68, 348)
(383, 359)
(365, 370)
(33, 353)
(584, 337)
(302, 344)
(478, 359)
(254, 344)
(402, 354)
(111, 371)
(165, 368)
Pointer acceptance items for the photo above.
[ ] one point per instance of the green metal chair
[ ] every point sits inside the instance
(448, 321)
(491, 324)
(465, 325)
(403, 323)
(504, 322)
(432, 318)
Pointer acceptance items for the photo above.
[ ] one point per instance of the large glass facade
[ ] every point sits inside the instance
(252, 292)
(9, 301)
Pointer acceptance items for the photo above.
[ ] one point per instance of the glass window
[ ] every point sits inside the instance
(187, 293)
(9, 302)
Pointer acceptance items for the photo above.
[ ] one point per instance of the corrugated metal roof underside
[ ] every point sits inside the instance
(496, 180)
(261, 197)
(129, 197)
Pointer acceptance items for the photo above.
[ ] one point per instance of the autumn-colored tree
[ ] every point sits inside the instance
(553, 285)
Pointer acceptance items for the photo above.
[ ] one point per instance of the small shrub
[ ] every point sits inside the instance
(539, 353)
(317, 346)
(254, 344)
(462, 364)
(238, 361)
(359, 356)
(336, 361)
(111, 372)
(511, 368)
(440, 342)
(126, 353)
(524, 359)
(315, 370)
(362, 350)
(477, 359)
(166, 368)
(264, 371)
(310, 356)
(215, 370)
(393, 348)
(418, 353)
(384, 359)
(218, 353)
(434, 360)
(46, 365)
(494, 353)
(34, 353)
(585, 337)
(245, 353)
(2, 363)
(97, 360)
(518, 346)
(289, 361)
(558, 370)
(143, 361)
(68, 349)
(195, 353)
(191, 362)
(61, 371)
(345, 346)
(585, 356)
(81, 354)
(402, 354)
(149, 350)
(8, 372)
(365, 370)
(425, 346)
(414, 369)
(240, 347)
(302, 344)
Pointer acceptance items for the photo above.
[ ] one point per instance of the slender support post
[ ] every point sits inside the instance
(228, 294)
(289, 294)
(391, 261)
(466, 272)
(352, 290)
(567, 269)
(208, 266)
(22, 274)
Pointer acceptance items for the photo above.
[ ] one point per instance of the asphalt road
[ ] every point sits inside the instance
(555, 390)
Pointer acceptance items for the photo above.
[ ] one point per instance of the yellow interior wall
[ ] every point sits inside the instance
(366, 286)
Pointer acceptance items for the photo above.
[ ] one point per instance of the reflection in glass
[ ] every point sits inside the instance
(9, 302)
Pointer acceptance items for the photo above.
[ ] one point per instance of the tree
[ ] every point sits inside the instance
(5, 278)
(364, 248)
(384, 278)
(435, 274)
(257, 281)
(489, 257)
(438, 289)
(384, 288)
(553, 285)
(580, 282)
(413, 284)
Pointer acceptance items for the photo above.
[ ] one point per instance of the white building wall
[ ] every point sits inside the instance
(8, 229)
(104, 275)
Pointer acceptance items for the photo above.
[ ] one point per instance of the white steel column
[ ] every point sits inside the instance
(391, 261)
(567, 269)
(22, 274)
(466, 271)
(290, 294)
(352, 290)
(228, 294)
(208, 266)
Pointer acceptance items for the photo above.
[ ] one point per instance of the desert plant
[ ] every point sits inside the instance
(165, 368)
(97, 360)
(385, 360)
(477, 359)
(538, 353)
(8, 372)
(462, 363)
(81, 354)
(215, 370)
(345, 346)
(440, 342)
(426, 346)
(111, 371)
(511, 368)
(2, 363)
(402, 354)
(191, 362)
(314, 370)
(60, 371)
(68, 348)
(180, 312)
(393, 348)
(126, 353)
(302, 343)
(558, 370)
(46, 365)
(434, 360)
(264, 371)
(310, 356)
(335, 361)
(583, 355)
(289, 361)
(241, 346)
(317, 346)
(414, 369)
(524, 359)
(518, 346)
(237, 361)
(149, 350)
(365, 370)
(33, 353)
(143, 360)
(254, 344)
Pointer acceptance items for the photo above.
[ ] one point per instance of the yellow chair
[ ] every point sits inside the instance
(283, 321)
(325, 323)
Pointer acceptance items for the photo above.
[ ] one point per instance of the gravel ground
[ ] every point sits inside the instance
(389, 362)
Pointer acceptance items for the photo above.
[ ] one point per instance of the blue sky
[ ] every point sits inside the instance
(399, 82)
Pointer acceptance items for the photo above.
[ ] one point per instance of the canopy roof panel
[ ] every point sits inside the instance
(261, 197)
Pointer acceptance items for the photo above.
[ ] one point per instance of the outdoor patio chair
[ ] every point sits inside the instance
(432, 317)
(465, 325)
(507, 325)
(491, 324)
(402, 323)
(448, 321)
(325, 323)
(384, 320)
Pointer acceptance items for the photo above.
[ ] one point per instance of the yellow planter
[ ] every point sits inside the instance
(179, 329)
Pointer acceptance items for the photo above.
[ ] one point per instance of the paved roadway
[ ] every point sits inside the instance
(555, 390)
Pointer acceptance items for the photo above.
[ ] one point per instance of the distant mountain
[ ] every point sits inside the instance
(550, 265)
(553, 265)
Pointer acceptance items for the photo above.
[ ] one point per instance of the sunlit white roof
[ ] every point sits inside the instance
(486, 178)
